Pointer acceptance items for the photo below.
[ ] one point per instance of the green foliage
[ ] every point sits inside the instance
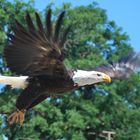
(86, 112)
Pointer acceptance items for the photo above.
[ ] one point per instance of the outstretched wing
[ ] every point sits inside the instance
(123, 68)
(34, 51)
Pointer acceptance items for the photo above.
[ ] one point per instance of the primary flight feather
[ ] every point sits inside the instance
(36, 53)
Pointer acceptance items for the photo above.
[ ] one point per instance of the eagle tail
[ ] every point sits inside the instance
(14, 82)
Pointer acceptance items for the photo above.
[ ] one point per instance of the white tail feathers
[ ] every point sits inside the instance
(15, 82)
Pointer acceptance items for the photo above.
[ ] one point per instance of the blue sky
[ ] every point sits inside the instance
(126, 13)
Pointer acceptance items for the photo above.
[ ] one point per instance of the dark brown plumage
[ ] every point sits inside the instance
(37, 52)
(30, 48)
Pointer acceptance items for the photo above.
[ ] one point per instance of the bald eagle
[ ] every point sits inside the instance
(37, 54)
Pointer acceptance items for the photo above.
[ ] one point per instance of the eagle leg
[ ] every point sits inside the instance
(26, 100)
(17, 117)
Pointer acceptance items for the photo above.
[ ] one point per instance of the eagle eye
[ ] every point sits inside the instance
(98, 74)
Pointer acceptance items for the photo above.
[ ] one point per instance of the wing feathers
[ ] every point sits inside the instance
(58, 25)
(39, 24)
(33, 51)
(124, 68)
(48, 24)
(30, 23)
(19, 26)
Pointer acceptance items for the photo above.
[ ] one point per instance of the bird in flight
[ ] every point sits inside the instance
(36, 54)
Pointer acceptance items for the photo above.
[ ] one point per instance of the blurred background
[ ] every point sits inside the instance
(102, 31)
(125, 13)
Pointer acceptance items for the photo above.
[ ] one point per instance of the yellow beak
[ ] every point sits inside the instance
(107, 78)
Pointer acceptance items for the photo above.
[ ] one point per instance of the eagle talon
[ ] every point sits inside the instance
(17, 117)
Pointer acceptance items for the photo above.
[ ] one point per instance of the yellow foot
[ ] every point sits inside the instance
(17, 117)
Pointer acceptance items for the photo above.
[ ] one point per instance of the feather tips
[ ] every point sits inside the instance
(48, 24)
(58, 26)
(30, 23)
(124, 68)
(39, 23)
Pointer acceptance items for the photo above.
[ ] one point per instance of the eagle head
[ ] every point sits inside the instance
(83, 78)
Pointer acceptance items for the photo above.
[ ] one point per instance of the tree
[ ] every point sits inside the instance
(86, 112)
